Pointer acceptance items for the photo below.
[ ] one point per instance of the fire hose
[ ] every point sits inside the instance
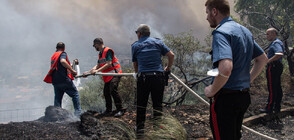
(185, 86)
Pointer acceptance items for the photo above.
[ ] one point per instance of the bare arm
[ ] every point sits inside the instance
(259, 63)
(135, 65)
(66, 65)
(170, 56)
(104, 67)
(225, 67)
(274, 58)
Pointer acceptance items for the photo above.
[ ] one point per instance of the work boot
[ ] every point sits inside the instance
(107, 113)
(119, 113)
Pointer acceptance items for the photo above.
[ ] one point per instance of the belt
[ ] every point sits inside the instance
(150, 73)
(227, 91)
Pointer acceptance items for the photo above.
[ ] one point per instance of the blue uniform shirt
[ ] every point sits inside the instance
(60, 76)
(275, 47)
(233, 41)
(147, 53)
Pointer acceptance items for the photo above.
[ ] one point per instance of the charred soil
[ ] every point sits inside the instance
(194, 118)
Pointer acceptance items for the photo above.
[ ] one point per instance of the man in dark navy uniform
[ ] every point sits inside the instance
(146, 57)
(233, 49)
(273, 72)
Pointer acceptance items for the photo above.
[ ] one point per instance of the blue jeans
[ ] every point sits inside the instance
(71, 91)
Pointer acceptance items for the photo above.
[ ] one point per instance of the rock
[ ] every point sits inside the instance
(57, 114)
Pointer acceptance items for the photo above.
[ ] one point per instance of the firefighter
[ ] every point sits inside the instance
(61, 75)
(108, 63)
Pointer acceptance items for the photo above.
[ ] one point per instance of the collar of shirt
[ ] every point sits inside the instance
(143, 38)
(226, 19)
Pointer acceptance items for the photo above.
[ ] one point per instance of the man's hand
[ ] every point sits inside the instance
(74, 73)
(167, 68)
(85, 74)
(93, 71)
(208, 92)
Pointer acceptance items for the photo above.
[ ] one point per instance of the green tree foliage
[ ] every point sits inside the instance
(91, 96)
(262, 14)
(127, 87)
(190, 58)
(190, 64)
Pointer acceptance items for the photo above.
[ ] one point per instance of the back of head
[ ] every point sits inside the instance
(144, 30)
(222, 5)
(60, 45)
(98, 41)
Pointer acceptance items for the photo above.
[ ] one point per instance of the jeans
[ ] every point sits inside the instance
(71, 91)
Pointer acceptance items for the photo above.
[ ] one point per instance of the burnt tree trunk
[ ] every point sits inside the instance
(290, 59)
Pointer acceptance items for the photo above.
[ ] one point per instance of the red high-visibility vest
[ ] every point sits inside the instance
(115, 68)
(54, 60)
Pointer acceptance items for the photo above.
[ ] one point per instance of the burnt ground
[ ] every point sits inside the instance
(194, 118)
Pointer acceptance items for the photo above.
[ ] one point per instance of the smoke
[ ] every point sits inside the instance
(30, 30)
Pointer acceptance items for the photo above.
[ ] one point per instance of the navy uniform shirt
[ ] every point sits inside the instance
(60, 76)
(235, 42)
(147, 53)
(275, 47)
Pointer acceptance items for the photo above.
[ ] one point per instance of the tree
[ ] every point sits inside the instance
(262, 14)
(189, 57)
(191, 62)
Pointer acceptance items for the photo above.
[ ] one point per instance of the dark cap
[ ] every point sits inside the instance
(98, 41)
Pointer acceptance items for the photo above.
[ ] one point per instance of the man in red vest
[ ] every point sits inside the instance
(108, 63)
(61, 75)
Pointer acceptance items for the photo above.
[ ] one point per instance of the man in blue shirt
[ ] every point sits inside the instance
(274, 71)
(233, 49)
(146, 57)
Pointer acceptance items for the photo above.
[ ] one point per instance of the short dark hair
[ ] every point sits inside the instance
(222, 5)
(98, 41)
(144, 30)
(60, 45)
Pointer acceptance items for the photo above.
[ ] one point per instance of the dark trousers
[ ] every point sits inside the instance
(110, 89)
(226, 114)
(273, 75)
(146, 85)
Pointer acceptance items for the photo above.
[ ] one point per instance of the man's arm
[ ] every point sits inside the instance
(274, 58)
(225, 67)
(135, 65)
(66, 65)
(259, 63)
(170, 55)
(104, 67)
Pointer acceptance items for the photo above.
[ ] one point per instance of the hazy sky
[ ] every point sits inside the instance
(30, 29)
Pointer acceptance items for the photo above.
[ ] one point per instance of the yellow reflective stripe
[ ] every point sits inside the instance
(115, 63)
(118, 69)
